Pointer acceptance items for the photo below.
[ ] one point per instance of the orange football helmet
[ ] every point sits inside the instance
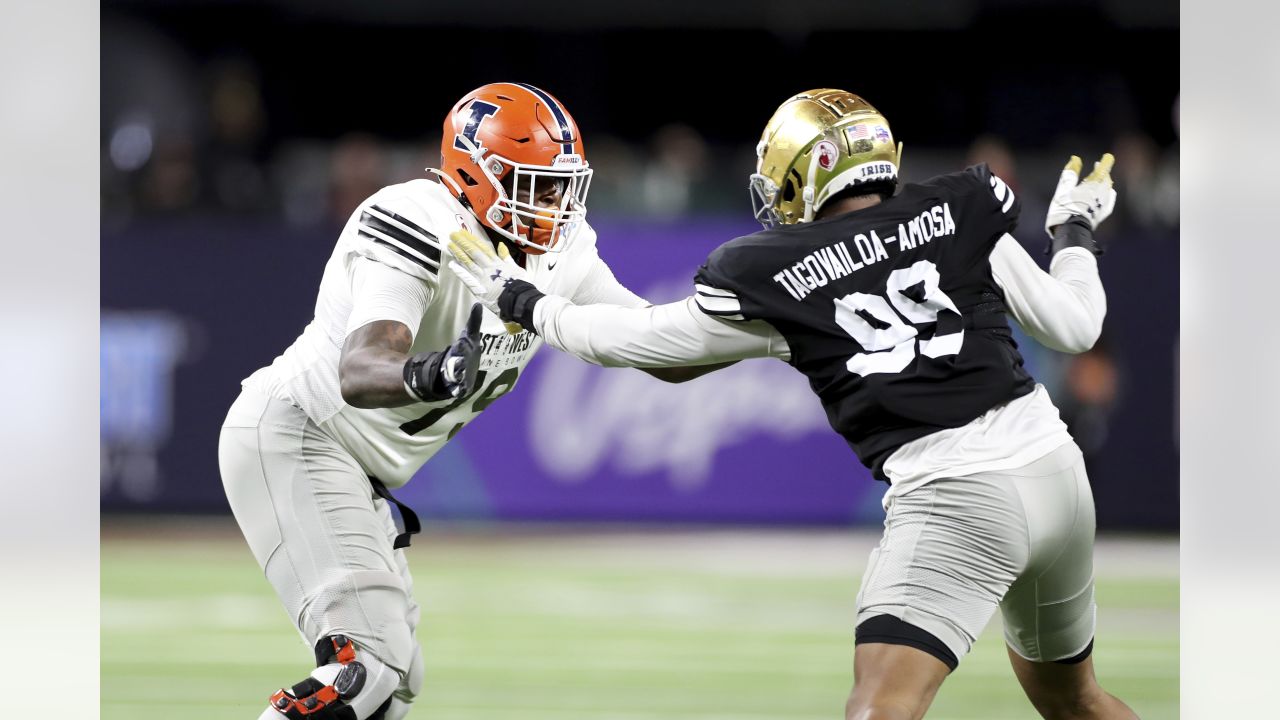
(512, 153)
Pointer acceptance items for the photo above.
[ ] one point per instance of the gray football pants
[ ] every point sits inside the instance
(1022, 540)
(321, 536)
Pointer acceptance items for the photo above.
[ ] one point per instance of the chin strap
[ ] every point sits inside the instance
(808, 194)
(451, 183)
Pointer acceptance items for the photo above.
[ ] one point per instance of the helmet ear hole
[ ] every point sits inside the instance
(789, 190)
(466, 179)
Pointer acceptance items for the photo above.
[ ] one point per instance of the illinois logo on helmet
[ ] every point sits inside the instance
(817, 144)
(512, 153)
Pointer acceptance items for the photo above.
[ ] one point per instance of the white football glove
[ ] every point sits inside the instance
(484, 271)
(1093, 199)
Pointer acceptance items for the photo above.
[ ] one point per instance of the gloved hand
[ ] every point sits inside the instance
(1093, 199)
(494, 278)
(449, 373)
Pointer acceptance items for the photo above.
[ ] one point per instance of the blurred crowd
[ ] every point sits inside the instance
(181, 136)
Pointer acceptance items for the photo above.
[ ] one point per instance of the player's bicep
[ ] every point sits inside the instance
(379, 335)
(739, 337)
(380, 292)
(1062, 310)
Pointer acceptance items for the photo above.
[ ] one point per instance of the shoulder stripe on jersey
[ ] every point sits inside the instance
(709, 291)
(719, 305)
(433, 269)
(725, 316)
(566, 144)
(399, 245)
(402, 229)
(1002, 192)
(402, 242)
(410, 225)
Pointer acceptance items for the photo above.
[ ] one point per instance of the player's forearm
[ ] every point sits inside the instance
(658, 336)
(650, 337)
(608, 335)
(371, 369)
(1075, 322)
(1062, 309)
(374, 378)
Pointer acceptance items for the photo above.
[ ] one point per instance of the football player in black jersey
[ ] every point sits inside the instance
(894, 302)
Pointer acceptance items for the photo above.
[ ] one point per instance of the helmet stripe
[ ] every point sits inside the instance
(566, 147)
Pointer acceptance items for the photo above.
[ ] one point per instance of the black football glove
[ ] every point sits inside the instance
(449, 373)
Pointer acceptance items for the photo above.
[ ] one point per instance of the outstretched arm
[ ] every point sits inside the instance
(672, 335)
(602, 287)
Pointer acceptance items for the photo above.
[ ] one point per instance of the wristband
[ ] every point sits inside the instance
(422, 377)
(1075, 232)
(517, 301)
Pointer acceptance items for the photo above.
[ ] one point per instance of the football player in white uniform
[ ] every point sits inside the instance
(894, 302)
(397, 360)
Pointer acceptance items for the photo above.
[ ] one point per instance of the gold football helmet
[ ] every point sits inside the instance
(816, 144)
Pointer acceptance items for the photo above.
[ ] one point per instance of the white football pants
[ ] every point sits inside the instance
(324, 541)
(955, 549)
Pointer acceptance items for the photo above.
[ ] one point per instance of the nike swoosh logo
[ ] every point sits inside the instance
(551, 266)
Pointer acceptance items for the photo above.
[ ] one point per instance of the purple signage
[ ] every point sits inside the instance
(573, 441)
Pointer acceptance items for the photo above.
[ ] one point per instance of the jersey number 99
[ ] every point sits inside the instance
(886, 328)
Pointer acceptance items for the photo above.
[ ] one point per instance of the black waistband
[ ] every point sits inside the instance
(411, 524)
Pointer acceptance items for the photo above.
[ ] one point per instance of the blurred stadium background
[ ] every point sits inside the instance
(601, 545)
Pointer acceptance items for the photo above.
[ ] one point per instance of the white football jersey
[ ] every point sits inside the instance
(406, 227)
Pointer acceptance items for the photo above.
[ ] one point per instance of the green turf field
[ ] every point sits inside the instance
(572, 625)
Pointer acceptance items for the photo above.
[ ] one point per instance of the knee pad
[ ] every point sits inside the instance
(348, 685)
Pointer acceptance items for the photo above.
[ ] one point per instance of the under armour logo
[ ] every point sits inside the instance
(497, 275)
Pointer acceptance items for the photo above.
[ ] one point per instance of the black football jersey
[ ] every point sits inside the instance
(890, 311)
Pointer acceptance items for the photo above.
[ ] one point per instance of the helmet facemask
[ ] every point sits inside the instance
(764, 197)
(526, 212)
